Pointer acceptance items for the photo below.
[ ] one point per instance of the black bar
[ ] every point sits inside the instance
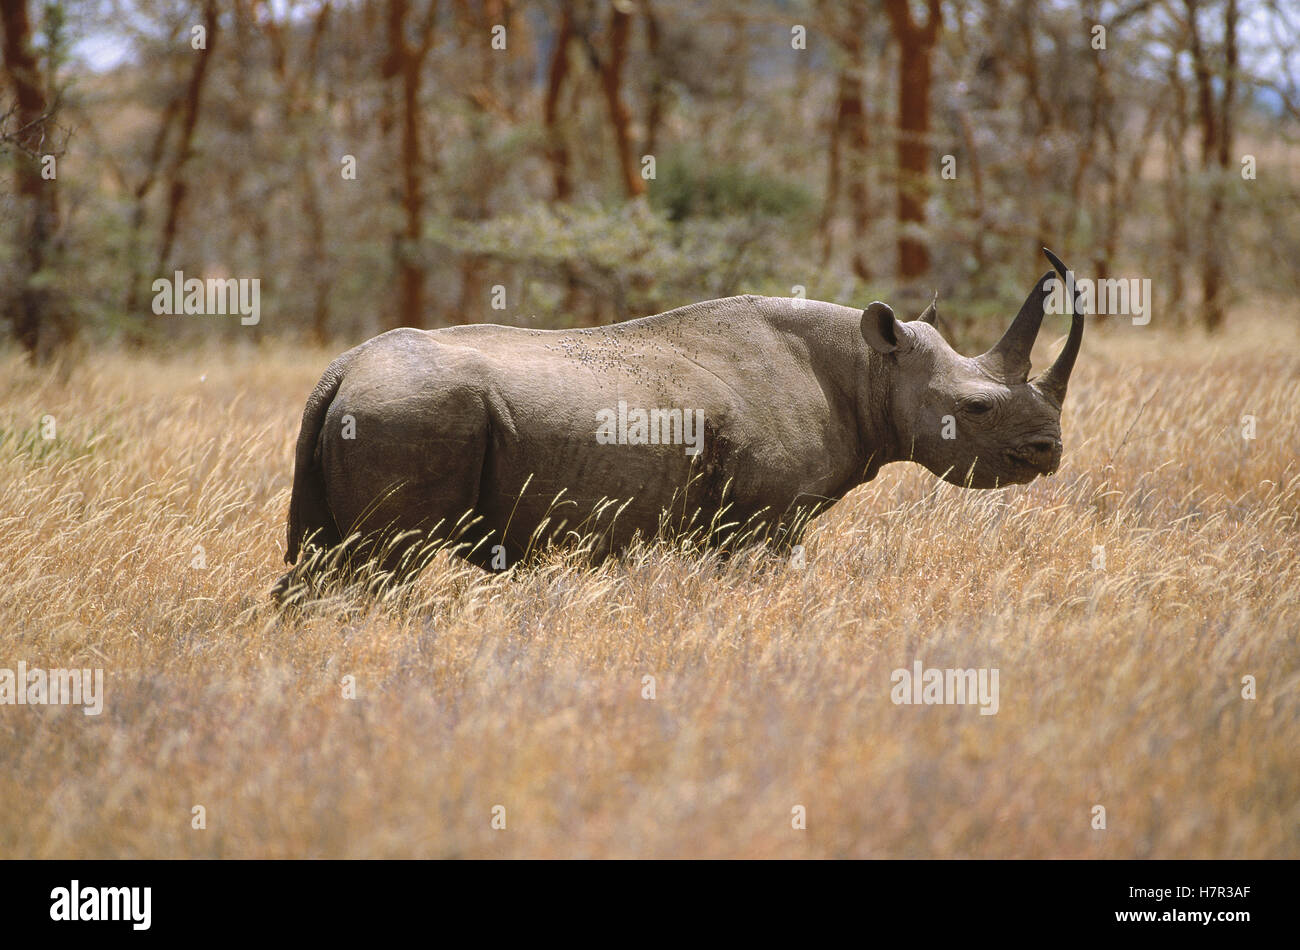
(928, 899)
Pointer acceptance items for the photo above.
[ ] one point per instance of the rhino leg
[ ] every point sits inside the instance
(403, 467)
(390, 460)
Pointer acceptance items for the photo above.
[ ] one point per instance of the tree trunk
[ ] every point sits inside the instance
(848, 146)
(178, 187)
(611, 81)
(916, 43)
(557, 151)
(655, 93)
(834, 172)
(135, 255)
(40, 324)
(1213, 289)
(1216, 144)
(297, 88)
(407, 61)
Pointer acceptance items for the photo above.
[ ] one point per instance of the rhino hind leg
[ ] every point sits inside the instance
(402, 483)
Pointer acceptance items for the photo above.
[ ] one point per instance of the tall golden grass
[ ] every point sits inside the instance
(1120, 687)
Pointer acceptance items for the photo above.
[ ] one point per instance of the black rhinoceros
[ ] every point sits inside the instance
(730, 419)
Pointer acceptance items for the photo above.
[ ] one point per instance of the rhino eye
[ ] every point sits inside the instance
(977, 407)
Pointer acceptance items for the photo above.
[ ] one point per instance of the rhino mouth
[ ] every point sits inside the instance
(986, 475)
(1028, 465)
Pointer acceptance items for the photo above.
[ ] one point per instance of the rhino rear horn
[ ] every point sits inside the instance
(930, 314)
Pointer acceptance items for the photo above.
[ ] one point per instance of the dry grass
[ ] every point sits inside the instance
(1119, 687)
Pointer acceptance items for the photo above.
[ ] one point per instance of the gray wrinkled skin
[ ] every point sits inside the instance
(800, 405)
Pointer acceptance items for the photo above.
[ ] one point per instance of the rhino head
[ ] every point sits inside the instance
(976, 421)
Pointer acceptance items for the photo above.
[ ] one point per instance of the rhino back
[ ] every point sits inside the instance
(777, 418)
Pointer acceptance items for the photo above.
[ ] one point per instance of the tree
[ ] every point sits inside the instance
(916, 41)
(41, 323)
(297, 89)
(405, 61)
(847, 154)
(181, 113)
(608, 63)
(1214, 113)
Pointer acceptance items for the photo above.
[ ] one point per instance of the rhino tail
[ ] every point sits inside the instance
(309, 512)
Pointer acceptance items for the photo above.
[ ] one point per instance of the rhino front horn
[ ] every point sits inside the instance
(1053, 382)
(1010, 357)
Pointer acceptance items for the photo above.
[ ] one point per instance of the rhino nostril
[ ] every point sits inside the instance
(1042, 454)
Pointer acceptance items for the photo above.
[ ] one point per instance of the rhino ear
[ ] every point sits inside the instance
(881, 329)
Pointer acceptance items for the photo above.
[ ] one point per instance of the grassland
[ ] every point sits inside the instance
(1120, 685)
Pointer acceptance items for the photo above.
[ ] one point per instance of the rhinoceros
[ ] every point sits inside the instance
(729, 421)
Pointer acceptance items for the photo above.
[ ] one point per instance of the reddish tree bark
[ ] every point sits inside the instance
(916, 43)
(610, 67)
(406, 60)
